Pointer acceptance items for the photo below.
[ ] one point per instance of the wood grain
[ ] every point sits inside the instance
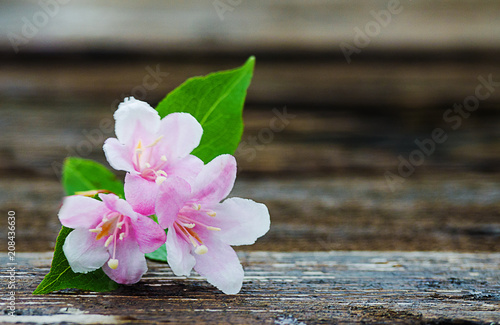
(343, 247)
(436, 213)
(259, 26)
(410, 87)
(285, 288)
(38, 135)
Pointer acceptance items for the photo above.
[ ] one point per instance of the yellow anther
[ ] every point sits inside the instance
(91, 193)
(155, 142)
(160, 179)
(108, 241)
(200, 250)
(113, 263)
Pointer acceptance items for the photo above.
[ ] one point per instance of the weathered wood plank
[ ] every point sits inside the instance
(439, 213)
(284, 288)
(38, 134)
(277, 26)
(408, 87)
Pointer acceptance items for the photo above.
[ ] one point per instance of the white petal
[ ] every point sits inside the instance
(81, 211)
(179, 254)
(241, 221)
(181, 134)
(135, 118)
(118, 155)
(216, 180)
(83, 252)
(221, 266)
(187, 168)
(131, 263)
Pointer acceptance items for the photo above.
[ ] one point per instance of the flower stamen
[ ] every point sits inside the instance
(109, 240)
(113, 263)
(200, 250)
(161, 176)
(91, 193)
(148, 168)
(115, 226)
(186, 224)
(155, 142)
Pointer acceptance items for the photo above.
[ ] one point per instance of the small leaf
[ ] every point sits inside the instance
(216, 101)
(62, 277)
(81, 175)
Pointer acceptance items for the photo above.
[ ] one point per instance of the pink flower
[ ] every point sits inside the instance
(150, 149)
(201, 230)
(108, 231)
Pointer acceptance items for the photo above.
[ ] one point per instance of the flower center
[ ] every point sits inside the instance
(186, 226)
(143, 162)
(114, 226)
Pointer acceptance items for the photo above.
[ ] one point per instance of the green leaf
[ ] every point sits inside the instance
(216, 101)
(62, 277)
(81, 175)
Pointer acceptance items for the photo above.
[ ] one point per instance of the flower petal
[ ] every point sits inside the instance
(141, 194)
(187, 168)
(131, 263)
(181, 134)
(81, 211)
(221, 266)
(173, 194)
(83, 252)
(118, 155)
(241, 221)
(135, 118)
(179, 254)
(148, 234)
(216, 180)
(114, 203)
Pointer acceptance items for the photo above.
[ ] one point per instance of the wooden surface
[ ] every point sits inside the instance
(341, 213)
(263, 26)
(287, 288)
(343, 246)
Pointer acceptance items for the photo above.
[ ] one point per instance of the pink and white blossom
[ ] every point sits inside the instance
(151, 149)
(201, 229)
(108, 234)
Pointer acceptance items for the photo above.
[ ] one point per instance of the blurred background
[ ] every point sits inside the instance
(370, 125)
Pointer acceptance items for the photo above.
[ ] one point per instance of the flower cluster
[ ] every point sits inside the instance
(163, 179)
